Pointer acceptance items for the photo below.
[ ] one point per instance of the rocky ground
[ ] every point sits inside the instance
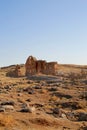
(42, 102)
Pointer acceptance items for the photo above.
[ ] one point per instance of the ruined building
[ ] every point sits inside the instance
(34, 66)
(15, 73)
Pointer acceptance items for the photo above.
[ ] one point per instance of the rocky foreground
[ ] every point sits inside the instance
(43, 102)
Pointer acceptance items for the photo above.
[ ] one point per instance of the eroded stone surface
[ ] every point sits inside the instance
(34, 66)
(16, 72)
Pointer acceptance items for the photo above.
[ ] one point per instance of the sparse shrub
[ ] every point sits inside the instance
(43, 91)
(84, 95)
(83, 128)
(83, 74)
(75, 77)
(54, 98)
(72, 78)
(73, 105)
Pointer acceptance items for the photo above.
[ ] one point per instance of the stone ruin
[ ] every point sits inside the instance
(34, 66)
(16, 72)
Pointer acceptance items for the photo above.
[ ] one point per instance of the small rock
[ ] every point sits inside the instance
(24, 110)
(8, 107)
(77, 116)
(28, 100)
(8, 103)
(57, 111)
(52, 89)
(37, 87)
(29, 90)
(70, 116)
(82, 117)
(30, 109)
(2, 110)
(19, 94)
(63, 116)
(7, 87)
(38, 105)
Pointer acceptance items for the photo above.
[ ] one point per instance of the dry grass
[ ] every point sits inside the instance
(54, 98)
(6, 120)
(46, 128)
(44, 100)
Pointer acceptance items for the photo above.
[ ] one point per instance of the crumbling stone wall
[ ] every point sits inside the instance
(31, 65)
(40, 66)
(16, 72)
(34, 66)
(51, 68)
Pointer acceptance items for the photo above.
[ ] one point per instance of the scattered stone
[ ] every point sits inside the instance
(71, 116)
(28, 100)
(83, 128)
(16, 72)
(19, 94)
(24, 110)
(63, 116)
(53, 89)
(38, 87)
(30, 82)
(24, 105)
(8, 108)
(29, 109)
(14, 84)
(82, 116)
(38, 105)
(77, 116)
(2, 109)
(8, 103)
(58, 94)
(71, 105)
(29, 90)
(7, 87)
(57, 111)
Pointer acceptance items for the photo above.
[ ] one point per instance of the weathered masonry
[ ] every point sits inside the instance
(34, 66)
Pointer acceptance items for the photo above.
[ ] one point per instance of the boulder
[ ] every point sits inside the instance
(25, 107)
(8, 103)
(8, 107)
(57, 112)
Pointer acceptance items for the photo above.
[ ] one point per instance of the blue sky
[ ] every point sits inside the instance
(54, 30)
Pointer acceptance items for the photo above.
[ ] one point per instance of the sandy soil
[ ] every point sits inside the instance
(43, 102)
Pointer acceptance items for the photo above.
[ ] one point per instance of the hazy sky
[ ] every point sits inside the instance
(54, 30)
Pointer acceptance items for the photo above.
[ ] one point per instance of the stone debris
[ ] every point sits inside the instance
(27, 108)
(29, 90)
(8, 103)
(16, 72)
(2, 109)
(8, 108)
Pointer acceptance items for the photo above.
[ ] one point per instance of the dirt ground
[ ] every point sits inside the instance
(44, 102)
